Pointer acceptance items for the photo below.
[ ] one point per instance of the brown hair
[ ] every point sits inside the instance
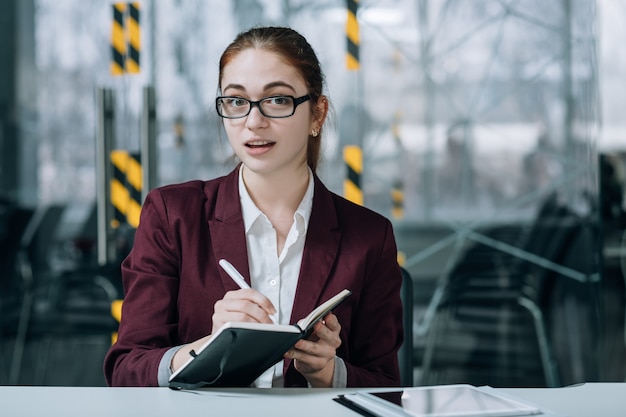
(295, 50)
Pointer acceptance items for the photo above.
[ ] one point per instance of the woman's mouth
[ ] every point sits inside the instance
(259, 144)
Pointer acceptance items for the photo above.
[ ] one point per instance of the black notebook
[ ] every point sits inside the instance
(238, 353)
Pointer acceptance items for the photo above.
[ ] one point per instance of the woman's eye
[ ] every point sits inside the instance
(279, 101)
(237, 102)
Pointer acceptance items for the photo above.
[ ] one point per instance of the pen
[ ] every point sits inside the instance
(239, 280)
(234, 274)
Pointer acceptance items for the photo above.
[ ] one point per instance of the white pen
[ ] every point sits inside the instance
(234, 274)
(239, 280)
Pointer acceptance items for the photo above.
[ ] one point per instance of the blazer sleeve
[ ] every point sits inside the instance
(148, 327)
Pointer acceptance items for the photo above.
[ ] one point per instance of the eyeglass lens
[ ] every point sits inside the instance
(281, 106)
(275, 106)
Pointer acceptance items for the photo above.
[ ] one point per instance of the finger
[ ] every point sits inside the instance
(322, 348)
(239, 309)
(332, 322)
(308, 353)
(311, 358)
(254, 297)
(327, 331)
(243, 311)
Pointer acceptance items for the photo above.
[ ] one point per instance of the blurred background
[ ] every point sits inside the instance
(490, 132)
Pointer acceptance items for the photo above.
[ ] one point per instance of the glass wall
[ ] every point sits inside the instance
(480, 125)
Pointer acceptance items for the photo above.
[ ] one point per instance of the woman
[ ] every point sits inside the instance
(293, 240)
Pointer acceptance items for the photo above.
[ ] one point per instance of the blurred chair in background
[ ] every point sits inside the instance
(405, 354)
(69, 304)
(489, 325)
(13, 222)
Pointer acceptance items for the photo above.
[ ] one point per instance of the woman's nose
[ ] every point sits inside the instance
(255, 118)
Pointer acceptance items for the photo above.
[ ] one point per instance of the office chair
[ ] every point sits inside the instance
(55, 304)
(13, 222)
(489, 327)
(405, 353)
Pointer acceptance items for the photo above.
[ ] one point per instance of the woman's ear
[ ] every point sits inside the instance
(320, 112)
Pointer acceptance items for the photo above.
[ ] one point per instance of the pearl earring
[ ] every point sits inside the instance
(314, 133)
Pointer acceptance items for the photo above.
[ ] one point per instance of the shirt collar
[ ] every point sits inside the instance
(251, 212)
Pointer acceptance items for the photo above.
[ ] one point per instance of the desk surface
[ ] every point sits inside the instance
(587, 400)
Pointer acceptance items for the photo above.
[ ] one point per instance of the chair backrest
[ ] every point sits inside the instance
(550, 238)
(15, 222)
(36, 244)
(405, 354)
(40, 233)
(491, 327)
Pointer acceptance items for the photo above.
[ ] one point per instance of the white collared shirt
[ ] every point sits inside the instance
(274, 276)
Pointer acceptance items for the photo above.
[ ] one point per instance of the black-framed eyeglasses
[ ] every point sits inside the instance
(231, 107)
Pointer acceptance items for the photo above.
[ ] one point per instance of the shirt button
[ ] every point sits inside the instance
(273, 282)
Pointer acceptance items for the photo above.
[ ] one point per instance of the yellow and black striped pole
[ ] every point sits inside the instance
(395, 129)
(401, 256)
(397, 200)
(352, 36)
(118, 39)
(134, 184)
(125, 39)
(126, 186)
(133, 38)
(353, 158)
(119, 194)
(397, 190)
(116, 313)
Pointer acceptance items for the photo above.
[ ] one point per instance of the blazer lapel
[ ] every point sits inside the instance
(320, 251)
(227, 230)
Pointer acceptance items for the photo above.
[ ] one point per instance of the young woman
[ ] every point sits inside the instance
(292, 239)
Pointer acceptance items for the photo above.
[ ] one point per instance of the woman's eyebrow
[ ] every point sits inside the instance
(279, 84)
(235, 87)
(266, 87)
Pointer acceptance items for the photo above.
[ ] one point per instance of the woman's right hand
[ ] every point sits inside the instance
(245, 305)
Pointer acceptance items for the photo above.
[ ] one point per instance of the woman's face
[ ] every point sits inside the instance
(267, 145)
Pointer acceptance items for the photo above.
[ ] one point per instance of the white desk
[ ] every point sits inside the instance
(586, 400)
(589, 400)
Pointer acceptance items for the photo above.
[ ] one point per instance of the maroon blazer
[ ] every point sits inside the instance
(172, 280)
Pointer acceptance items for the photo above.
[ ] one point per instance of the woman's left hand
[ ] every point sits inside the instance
(315, 357)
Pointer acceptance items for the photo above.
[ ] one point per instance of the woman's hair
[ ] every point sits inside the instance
(294, 49)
